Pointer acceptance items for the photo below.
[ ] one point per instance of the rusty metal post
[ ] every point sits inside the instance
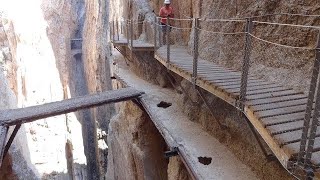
(196, 51)
(168, 41)
(245, 65)
(131, 33)
(155, 34)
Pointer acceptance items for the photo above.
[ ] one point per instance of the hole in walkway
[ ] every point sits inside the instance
(164, 104)
(205, 160)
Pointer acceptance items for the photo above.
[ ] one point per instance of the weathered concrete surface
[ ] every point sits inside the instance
(188, 136)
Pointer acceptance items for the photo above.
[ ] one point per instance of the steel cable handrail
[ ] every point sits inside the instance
(282, 45)
(222, 20)
(174, 27)
(283, 24)
(175, 19)
(223, 33)
(288, 14)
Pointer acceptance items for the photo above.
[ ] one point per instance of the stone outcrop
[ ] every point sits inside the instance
(96, 56)
(17, 163)
(136, 146)
(37, 34)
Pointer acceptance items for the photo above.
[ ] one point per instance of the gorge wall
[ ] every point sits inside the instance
(36, 58)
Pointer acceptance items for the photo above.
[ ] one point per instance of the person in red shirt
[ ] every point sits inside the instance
(165, 11)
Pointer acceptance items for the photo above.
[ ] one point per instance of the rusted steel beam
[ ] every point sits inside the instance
(29, 114)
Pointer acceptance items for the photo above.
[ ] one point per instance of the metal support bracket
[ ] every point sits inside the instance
(9, 143)
(268, 156)
(222, 126)
(173, 152)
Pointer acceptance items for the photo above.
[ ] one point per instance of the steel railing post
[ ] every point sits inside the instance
(160, 31)
(117, 24)
(121, 27)
(155, 33)
(196, 51)
(131, 33)
(113, 31)
(110, 31)
(168, 40)
(127, 29)
(305, 139)
(245, 65)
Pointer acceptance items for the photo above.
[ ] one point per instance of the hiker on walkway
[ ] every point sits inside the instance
(165, 11)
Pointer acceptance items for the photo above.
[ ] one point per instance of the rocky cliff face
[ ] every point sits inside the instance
(17, 162)
(38, 36)
(96, 54)
(136, 146)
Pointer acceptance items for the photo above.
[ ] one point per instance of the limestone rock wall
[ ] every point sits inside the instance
(136, 147)
(38, 35)
(17, 162)
(96, 56)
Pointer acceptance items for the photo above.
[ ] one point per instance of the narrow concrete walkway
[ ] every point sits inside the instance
(193, 142)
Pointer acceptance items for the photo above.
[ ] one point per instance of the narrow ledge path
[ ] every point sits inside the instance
(178, 131)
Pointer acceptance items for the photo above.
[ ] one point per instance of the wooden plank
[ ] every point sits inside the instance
(211, 69)
(272, 95)
(285, 127)
(281, 111)
(257, 86)
(215, 72)
(29, 114)
(199, 68)
(276, 105)
(294, 149)
(217, 78)
(237, 82)
(230, 80)
(3, 137)
(263, 91)
(249, 85)
(287, 137)
(275, 99)
(292, 136)
(281, 155)
(282, 118)
(217, 92)
(208, 68)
